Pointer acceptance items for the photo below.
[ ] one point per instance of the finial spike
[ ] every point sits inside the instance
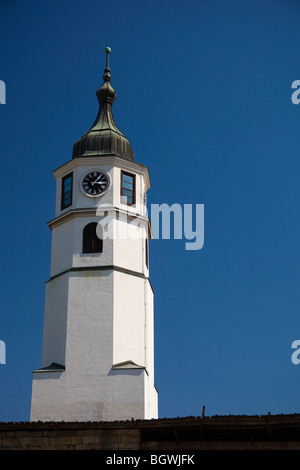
(107, 76)
(108, 51)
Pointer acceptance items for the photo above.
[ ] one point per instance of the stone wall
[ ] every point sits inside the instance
(69, 439)
(280, 432)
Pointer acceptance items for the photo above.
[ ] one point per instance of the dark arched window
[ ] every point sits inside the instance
(91, 243)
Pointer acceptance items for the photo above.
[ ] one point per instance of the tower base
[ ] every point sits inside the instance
(125, 394)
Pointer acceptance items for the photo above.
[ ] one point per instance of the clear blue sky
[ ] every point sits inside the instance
(204, 95)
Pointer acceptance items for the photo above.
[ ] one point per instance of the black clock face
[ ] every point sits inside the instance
(95, 183)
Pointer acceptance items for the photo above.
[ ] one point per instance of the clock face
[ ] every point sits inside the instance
(95, 183)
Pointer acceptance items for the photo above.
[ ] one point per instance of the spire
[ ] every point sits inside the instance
(106, 93)
(107, 76)
(104, 137)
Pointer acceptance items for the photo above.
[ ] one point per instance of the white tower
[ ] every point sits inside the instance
(98, 346)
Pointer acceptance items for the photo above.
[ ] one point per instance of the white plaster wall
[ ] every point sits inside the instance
(149, 329)
(129, 247)
(90, 322)
(151, 396)
(62, 248)
(151, 399)
(55, 321)
(78, 397)
(129, 319)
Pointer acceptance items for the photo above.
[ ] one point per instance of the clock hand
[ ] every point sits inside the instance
(96, 180)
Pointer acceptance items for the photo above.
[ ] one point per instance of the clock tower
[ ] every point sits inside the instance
(98, 345)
